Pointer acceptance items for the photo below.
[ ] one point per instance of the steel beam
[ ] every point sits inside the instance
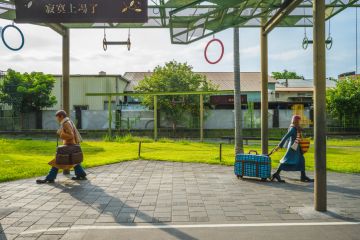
(319, 66)
(155, 117)
(110, 117)
(219, 92)
(286, 9)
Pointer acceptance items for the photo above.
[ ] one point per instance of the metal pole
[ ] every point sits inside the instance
(117, 105)
(155, 118)
(239, 147)
(264, 92)
(66, 71)
(201, 117)
(139, 150)
(220, 153)
(110, 115)
(356, 39)
(66, 76)
(319, 105)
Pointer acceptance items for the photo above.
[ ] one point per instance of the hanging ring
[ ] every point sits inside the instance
(329, 42)
(21, 35)
(104, 44)
(128, 44)
(222, 51)
(305, 43)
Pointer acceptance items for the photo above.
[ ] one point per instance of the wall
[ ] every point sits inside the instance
(49, 122)
(224, 119)
(95, 120)
(284, 96)
(80, 85)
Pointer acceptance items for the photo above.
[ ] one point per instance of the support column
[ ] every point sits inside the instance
(201, 117)
(319, 105)
(155, 118)
(66, 75)
(66, 71)
(239, 147)
(264, 92)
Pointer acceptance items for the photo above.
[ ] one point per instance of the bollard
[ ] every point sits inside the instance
(139, 151)
(220, 154)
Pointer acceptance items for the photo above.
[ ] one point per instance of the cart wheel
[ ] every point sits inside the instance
(263, 179)
(238, 176)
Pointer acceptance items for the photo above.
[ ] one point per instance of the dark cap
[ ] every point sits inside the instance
(61, 113)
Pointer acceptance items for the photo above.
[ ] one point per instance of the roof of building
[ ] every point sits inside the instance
(74, 76)
(297, 85)
(250, 81)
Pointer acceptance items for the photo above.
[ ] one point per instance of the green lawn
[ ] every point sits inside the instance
(28, 158)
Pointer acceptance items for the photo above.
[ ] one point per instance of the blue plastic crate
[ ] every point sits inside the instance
(252, 165)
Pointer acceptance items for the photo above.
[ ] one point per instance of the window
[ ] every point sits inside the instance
(106, 105)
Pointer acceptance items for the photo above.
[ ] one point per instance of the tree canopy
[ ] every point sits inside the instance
(286, 75)
(27, 92)
(174, 77)
(343, 101)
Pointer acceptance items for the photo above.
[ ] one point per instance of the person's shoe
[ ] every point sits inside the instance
(306, 179)
(43, 181)
(277, 177)
(79, 178)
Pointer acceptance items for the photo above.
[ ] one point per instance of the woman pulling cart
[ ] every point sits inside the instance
(294, 158)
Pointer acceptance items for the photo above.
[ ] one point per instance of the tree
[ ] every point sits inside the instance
(28, 92)
(343, 101)
(286, 75)
(174, 77)
(239, 145)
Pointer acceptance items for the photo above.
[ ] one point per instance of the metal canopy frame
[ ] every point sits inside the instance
(192, 20)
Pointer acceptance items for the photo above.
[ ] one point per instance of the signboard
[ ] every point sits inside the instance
(81, 11)
(226, 100)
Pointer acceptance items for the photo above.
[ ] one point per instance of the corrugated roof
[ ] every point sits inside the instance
(250, 81)
(297, 84)
(75, 76)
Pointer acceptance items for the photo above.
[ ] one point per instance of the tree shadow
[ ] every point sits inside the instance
(79, 192)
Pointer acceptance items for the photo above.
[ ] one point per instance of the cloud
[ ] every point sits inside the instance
(253, 51)
(288, 55)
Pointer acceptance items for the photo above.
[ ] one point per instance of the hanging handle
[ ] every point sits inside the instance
(253, 151)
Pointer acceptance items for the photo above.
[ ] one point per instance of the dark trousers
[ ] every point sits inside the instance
(79, 171)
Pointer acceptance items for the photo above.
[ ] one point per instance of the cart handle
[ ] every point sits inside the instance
(272, 151)
(253, 151)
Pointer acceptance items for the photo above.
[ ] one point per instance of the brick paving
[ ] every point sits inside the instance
(153, 192)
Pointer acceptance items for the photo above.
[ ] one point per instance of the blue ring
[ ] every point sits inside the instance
(21, 34)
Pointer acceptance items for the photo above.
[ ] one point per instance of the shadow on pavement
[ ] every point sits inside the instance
(306, 187)
(80, 191)
(309, 188)
(2, 234)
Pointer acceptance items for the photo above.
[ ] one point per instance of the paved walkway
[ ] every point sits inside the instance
(155, 193)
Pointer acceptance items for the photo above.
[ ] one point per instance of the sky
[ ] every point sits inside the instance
(152, 47)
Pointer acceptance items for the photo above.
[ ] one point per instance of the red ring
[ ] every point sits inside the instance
(222, 51)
